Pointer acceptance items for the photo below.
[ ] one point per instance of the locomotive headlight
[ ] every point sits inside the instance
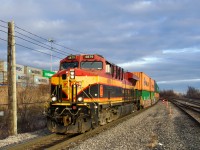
(54, 99)
(80, 99)
(72, 74)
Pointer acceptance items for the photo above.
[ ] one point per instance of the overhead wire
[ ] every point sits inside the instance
(32, 49)
(47, 39)
(31, 33)
(36, 43)
(29, 47)
(3, 21)
(3, 40)
(40, 42)
(67, 48)
(37, 50)
(40, 45)
(4, 26)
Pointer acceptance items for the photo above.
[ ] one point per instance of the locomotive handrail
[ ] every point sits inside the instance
(90, 93)
(89, 97)
(68, 110)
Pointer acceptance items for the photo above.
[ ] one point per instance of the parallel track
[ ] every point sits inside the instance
(56, 141)
(190, 107)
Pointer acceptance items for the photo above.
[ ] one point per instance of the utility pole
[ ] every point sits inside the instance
(51, 40)
(12, 98)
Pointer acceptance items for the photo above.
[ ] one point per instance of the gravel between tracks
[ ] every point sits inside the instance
(155, 128)
(160, 127)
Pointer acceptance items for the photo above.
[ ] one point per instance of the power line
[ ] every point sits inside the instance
(4, 26)
(37, 44)
(3, 40)
(32, 49)
(67, 47)
(52, 48)
(37, 50)
(31, 33)
(40, 42)
(47, 39)
(3, 31)
(3, 21)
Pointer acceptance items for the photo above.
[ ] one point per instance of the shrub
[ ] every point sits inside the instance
(31, 101)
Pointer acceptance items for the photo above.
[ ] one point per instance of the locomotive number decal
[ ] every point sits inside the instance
(65, 84)
(101, 90)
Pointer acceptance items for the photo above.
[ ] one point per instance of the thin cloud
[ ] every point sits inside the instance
(146, 60)
(184, 50)
(139, 6)
(178, 81)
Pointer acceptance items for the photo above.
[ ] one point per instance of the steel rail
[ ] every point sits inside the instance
(191, 110)
(58, 141)
(40, 143)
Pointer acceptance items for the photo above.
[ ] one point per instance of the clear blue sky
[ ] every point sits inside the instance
(159, 37)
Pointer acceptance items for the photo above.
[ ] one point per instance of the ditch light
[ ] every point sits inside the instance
(72, 74)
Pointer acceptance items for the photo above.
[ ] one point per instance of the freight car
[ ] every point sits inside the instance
(88, 91)
(146, 89)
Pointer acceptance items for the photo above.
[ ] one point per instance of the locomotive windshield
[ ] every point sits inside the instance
(92, 64)
(67, 65)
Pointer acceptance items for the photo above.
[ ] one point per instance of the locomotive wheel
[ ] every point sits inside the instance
(84, 124)
(51, 125)
(109, 116)
(102, 117)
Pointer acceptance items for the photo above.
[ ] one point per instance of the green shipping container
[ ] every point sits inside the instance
(146, 95)
(156, 87)
(152, 95)
(47, 73)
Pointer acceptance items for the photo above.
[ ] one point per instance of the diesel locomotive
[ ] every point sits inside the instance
(89, 91)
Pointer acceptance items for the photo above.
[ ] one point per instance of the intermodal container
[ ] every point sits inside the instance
(19, 78)
(153, 100)
(144, 95)
(19, 69)
(3, 77)
(41, 80)
(32, 71)
(144, 81)
(47, 73)
(152, 95)
(4, 66)
(22, 78)
(152, 85)
(156, 87)
(157, 96)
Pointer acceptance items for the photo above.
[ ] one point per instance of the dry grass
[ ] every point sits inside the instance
(31, 100)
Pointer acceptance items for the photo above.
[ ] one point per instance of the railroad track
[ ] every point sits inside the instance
(56, 141)
(41, 142)
(190, 107)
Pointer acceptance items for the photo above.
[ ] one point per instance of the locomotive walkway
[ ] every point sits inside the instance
(163, 126)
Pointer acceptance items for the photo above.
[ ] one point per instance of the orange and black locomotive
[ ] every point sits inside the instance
(88, 91)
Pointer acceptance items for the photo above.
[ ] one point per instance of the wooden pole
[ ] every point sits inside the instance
(12, 98)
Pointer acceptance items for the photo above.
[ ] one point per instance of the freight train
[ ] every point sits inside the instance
(89, 91)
